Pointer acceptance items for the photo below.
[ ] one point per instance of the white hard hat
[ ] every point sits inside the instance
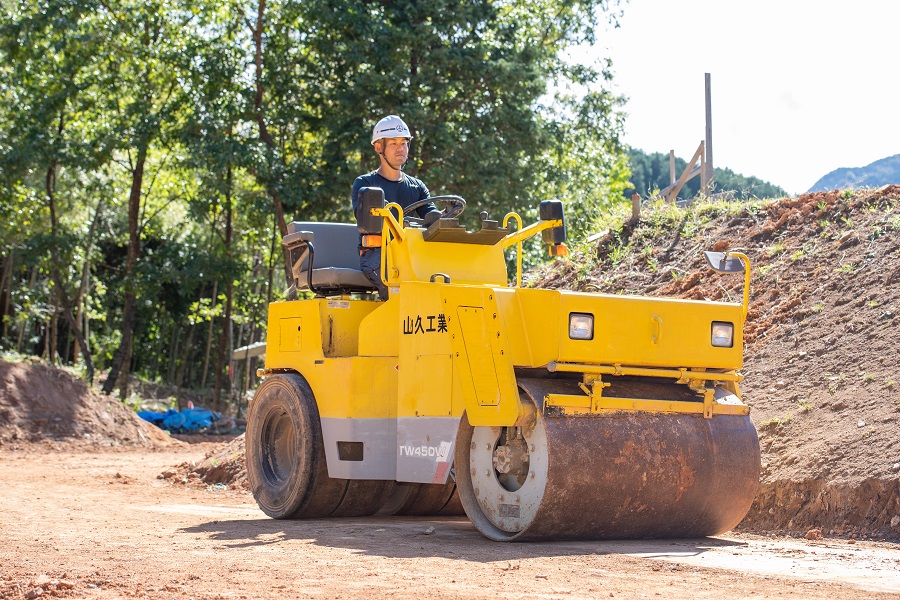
(390, 127)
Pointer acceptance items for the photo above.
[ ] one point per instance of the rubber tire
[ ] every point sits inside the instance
(423, 500)
(283, 479)
(290, 480)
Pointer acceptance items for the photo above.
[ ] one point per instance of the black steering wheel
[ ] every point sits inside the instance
(453, 206)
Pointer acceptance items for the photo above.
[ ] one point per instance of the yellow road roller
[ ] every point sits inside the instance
(541, 414)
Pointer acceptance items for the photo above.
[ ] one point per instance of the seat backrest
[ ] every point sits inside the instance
(336, 244)
(336, 269)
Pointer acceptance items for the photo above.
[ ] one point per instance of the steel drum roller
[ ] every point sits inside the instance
(619, 476)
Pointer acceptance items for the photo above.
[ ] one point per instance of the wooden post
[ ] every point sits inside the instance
(671, 192)
(635, 207)
(704, 175)
(671, 167)
(709, 148)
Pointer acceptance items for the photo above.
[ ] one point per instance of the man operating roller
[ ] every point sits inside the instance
(390, 140)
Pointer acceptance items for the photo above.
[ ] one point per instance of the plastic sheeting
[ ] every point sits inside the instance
(187, 419)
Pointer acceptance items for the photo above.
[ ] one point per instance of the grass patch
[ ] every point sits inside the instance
(618, 253)
(894, 222)
(776, 423)
(775, 249)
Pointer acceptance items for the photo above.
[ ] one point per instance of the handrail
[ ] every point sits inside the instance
(524, 234)
(746, 260)
(518, 245)
(393, 227)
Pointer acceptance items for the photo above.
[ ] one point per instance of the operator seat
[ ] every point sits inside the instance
(331, 250)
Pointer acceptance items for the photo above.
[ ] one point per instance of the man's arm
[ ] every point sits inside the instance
(429, 211)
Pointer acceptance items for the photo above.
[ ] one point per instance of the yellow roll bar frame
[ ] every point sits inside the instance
(391, 227)
(524, 234)
(746, 262)
(518, 219)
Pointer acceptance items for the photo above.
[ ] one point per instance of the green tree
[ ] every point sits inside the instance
(152, 152)
(143, 55)
(469, 78)
(55, 145)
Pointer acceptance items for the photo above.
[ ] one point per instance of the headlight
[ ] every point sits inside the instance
(722, 334)
(581, 326)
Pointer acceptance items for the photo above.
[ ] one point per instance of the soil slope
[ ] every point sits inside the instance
(39, 403)
(820, 366)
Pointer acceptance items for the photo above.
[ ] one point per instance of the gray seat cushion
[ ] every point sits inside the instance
(336, 262)
(335, 277)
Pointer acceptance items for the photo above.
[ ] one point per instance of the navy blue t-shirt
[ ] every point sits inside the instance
(403, 192)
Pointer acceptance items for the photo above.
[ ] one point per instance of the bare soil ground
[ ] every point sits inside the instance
(100, 523)
(98, 503)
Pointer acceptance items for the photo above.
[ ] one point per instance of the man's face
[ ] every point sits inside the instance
(396, 150)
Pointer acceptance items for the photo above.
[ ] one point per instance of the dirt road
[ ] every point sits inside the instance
(100, 524)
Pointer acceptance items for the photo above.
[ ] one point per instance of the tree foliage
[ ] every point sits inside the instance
(152, 151)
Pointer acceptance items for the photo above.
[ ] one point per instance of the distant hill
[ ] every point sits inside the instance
(650, 171)
(881, 172)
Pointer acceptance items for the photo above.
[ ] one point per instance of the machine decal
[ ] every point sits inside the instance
(440, 475)
(427, 324)
(441, 453)
(425, 447)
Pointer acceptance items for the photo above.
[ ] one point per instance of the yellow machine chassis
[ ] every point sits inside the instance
(636, 430)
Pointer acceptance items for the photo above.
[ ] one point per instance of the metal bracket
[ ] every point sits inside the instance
(709, 399)
(595, 391)
(708, 394)
(696, 385)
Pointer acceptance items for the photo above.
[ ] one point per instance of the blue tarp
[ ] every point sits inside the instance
(187, 419)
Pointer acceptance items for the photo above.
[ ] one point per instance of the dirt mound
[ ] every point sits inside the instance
(223, 465)
(39, 403)
(820, 364)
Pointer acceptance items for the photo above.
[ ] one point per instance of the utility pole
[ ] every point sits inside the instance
(708, 175)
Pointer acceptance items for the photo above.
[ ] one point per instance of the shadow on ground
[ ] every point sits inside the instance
(408, 537)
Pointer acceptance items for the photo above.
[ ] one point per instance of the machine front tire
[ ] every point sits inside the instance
(286, 463)
(283, 445)
(423, 500)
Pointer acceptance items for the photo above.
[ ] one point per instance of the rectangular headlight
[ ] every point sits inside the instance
(722, 334)
(581, 326)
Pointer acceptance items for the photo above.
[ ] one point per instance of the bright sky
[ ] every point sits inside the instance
(799, 88)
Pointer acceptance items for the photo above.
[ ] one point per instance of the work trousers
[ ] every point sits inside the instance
(370, 263)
